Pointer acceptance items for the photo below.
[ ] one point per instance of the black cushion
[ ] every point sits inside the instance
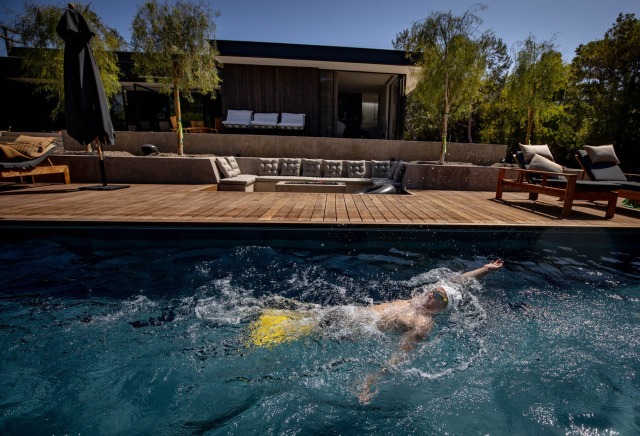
(608, 172)
(585, 185)
(630, 186)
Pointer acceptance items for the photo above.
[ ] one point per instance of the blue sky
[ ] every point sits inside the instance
(374, 23)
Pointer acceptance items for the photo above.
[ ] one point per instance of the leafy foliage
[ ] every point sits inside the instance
(36, 26)
(452, 57)
(173, 46)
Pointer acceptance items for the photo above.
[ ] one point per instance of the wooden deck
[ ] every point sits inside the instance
(184, 204)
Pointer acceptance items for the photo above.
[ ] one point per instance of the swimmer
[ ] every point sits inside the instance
(414, 318)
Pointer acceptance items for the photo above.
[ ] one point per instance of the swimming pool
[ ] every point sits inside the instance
(154, 341)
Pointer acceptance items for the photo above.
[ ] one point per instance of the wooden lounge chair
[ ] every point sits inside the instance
(564, 186)
(610, 171)
(23, 158)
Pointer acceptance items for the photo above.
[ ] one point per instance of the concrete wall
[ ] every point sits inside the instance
(302, 146)
(451, 177)
(137, 169)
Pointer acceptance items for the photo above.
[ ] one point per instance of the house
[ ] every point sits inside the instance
(343, 92)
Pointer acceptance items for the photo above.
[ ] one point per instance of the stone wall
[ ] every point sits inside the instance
(303, 147)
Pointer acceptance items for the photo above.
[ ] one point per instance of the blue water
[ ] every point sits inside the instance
(154, 341)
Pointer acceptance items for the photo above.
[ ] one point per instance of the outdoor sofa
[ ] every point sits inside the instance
(246, 119)
(252, 174)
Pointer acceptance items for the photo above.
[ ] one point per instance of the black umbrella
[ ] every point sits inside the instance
(86, 105)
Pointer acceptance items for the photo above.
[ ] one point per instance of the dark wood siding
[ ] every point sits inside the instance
(273, 89)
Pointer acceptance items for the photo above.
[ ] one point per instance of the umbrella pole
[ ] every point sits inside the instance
(103, 172)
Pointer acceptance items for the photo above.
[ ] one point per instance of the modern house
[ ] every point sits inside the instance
(343, 92)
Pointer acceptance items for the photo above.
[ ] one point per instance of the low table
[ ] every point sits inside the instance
(316, 187)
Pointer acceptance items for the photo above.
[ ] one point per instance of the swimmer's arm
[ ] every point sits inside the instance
(407, 344)
(477, 273)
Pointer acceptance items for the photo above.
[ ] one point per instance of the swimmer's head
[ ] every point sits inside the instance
(436, 300)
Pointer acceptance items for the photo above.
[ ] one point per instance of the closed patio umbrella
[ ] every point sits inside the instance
(86, 107)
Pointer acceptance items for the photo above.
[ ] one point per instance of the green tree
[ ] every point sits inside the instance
(44, 61)
(606, 75)
(173, 45)
(533, 87)
(452, 57)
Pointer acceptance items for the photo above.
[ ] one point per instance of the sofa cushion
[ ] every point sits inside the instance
(332, 168)
(225, 168)
(356, 168)
(602, 154)
(398, 172)
(242, 179)
(234, 165)
(311, 167)
(290, 167)
(268, 167)
(380, 168)
(530, 150)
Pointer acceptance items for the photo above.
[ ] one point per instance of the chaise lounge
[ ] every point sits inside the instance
(601, 165)
(24, 156)
(540, 175)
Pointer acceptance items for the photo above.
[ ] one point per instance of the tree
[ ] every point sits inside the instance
(606, 74)
(44, 62)
(538, 76)
(452, 60)
(173, 46)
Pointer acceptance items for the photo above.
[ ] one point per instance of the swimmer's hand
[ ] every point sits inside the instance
(496, 264)
(491, 266)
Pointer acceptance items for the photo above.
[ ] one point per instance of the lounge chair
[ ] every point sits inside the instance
(238, 119)
(265, 121)
(608, 170)
(23, 158)
(291, 121)
(543, 176)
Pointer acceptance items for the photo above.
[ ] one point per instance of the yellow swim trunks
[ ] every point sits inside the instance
(275, 327)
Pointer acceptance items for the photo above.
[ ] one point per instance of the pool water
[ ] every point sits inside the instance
(154, 341)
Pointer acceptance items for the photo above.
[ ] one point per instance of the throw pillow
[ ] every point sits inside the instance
(234, 165)
(268, 167)
(380, 168)
(602, 154)
(356, 168)
(225, 168)
(311, 167)
(530, 150)
(290, 167)
(332, 168)
(541, 163)
(399, 171)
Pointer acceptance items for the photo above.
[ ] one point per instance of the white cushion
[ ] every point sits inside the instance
(311, 167)
(265, 120)
(332, 168)
(291, 121)
(380, 168)
(290, 167)
(530, 150)
(238, 118)
(602, 154)
(225, 168)
(541, 163)
(234, 165)
(356, 168)
(268, 167)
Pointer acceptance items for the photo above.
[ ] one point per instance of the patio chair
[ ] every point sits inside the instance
(543, 176)
(264, 121)
(238, 119)
(606, 169)
(291, 121)
(22, 158)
